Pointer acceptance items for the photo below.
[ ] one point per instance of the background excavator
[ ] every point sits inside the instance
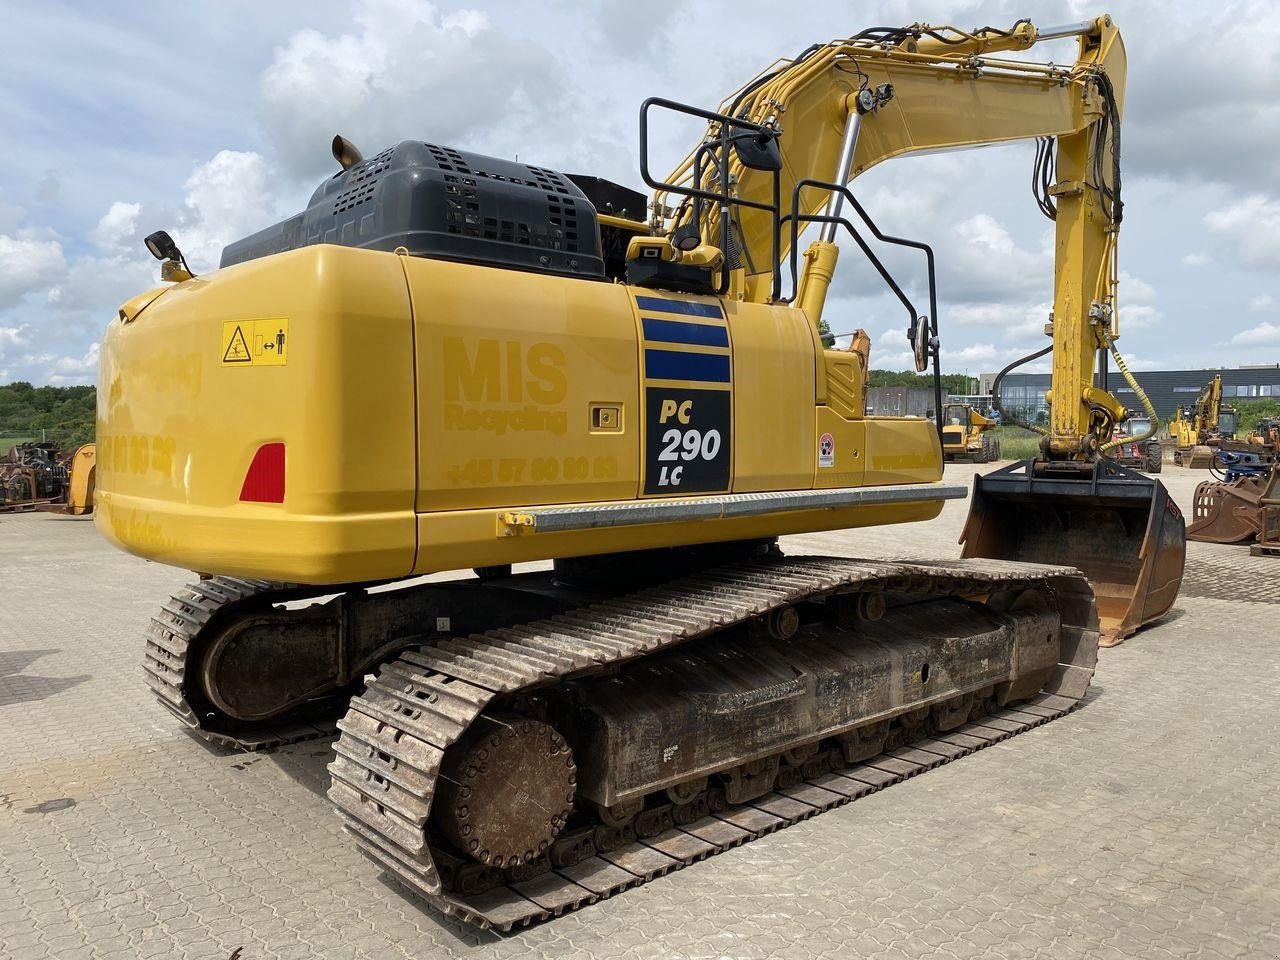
(451, 361)
(1200, 428)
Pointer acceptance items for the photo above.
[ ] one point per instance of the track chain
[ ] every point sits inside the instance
(394, 737)
(182, 622)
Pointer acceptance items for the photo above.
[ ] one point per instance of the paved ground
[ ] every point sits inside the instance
(1145, 825)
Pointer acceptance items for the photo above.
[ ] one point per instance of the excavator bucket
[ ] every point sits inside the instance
(1120, 528)
(1199, 457)
(1233, 511)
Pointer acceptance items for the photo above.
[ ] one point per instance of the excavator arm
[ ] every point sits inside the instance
(783, 149)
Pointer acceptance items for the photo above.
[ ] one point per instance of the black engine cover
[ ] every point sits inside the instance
(443, 203)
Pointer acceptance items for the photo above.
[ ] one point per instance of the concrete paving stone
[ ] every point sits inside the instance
(1142, 825)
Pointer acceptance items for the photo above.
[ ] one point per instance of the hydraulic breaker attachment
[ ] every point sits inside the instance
(1121, 529)
(1233, 511)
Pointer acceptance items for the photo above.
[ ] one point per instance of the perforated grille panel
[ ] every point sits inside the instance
(468, 217)
(435, 201)
(361, 179)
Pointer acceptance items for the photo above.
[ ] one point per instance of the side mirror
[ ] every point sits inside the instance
(918, 334)
(758, 151)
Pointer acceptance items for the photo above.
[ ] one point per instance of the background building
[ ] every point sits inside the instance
(1168, 389)
(900, 401)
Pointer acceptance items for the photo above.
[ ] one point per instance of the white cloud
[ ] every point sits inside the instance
(64, 371)
(13, 337)
(408, 71)
(1252, 227)
(1262, 303)
(27, 265)
(226, 199)
(1262, 334)
(1171, 126)
(1135, 289)
(985, 263)
(1196, 260)
(1138, 316)
(117, 228)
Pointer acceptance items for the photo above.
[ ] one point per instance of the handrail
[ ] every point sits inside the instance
(723, 197)
(931, 320)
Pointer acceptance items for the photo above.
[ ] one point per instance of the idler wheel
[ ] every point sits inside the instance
(506, 790)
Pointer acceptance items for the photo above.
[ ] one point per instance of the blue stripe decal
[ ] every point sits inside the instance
(688, 308)
(668, 365)
(677, 331)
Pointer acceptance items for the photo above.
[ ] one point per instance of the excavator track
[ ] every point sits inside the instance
(182, 623)
(394, 751)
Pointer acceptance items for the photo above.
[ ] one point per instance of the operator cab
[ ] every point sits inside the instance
(1227, 423)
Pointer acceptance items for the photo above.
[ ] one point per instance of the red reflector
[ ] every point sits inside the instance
(264, 483)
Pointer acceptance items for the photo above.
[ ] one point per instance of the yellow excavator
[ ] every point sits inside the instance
(1198, 429)
(965, 434)
(452, 361)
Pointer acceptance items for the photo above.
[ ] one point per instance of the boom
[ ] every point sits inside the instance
(842, 107)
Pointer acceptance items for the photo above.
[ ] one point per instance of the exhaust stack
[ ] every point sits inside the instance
(345, 152)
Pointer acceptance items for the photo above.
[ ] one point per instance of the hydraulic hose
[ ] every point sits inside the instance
(1137, 389)
(995, 392)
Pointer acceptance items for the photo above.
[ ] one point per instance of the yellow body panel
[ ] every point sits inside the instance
(509, 365)
(774, 389)
(421, 399)
(177, 429)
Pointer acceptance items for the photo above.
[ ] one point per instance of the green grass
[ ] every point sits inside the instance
(1016, 443)
(7, 442)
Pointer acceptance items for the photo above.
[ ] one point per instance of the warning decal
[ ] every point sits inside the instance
(826, 451)
(255, 343)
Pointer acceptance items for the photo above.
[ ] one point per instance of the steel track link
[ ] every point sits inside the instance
(182, 622)
(394, 737)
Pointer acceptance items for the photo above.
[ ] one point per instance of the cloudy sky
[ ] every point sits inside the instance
(213, 119)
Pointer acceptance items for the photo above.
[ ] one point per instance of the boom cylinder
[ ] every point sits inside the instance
(852, 125)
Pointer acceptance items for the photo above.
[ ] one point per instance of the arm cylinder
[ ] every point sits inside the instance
(1066, 30)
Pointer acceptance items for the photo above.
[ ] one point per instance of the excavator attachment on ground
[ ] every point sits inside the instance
(1235, 510)
(82, 472)
(1120, 528)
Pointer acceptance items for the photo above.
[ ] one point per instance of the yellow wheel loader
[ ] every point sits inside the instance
(964, 434)
(452, 361)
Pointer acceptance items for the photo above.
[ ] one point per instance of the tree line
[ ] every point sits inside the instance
(62, 415)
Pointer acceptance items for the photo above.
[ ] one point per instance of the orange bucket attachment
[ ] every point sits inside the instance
(1118, 527)
(1233, 511)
